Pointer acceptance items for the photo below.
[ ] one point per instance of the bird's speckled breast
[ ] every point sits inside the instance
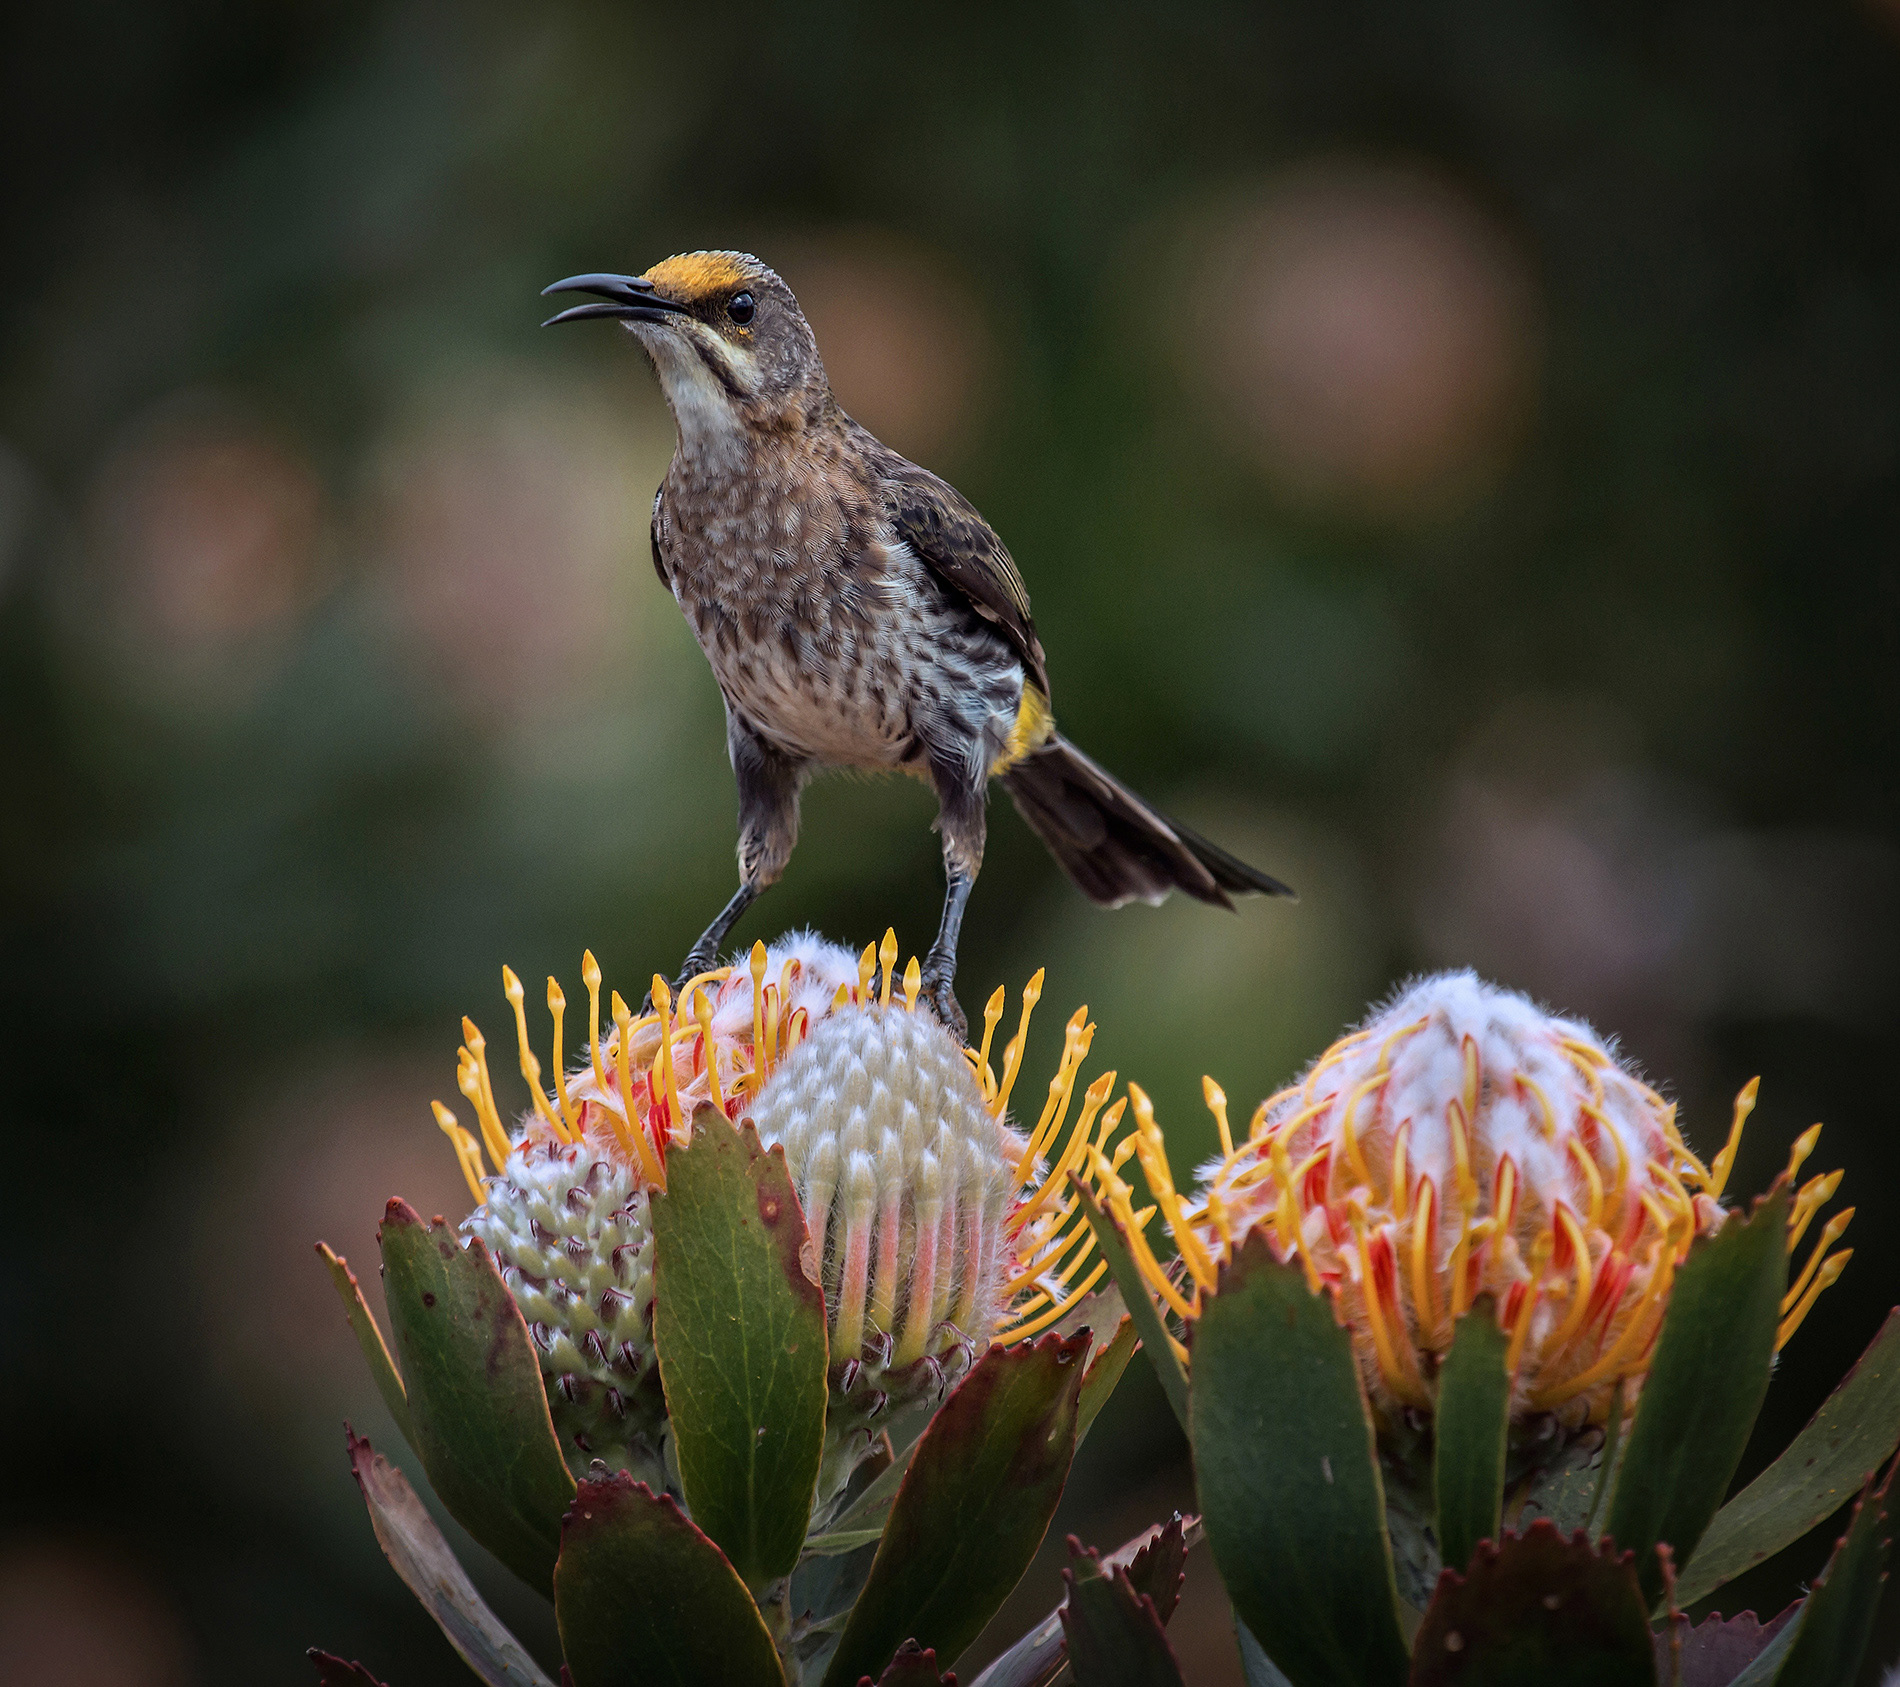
(807, 612)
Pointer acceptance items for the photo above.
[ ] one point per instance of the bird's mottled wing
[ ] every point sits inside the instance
(943, 527)
(653, 538)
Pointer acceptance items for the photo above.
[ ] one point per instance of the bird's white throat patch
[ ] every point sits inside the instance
(708, 420)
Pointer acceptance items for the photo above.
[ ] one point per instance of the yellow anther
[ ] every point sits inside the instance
(702, 1012)
(631, 1132)
(992, 1015)
(1153, 1151)
(1585, 1162)
(1457, 1125)
(1468, 1050)
(1587, 1053)
(1546, 1114)
(1050, 1252)
(774, 1002)
(1394, 1352)
(1401, 1186)
(590, 976)
(1824, 1279)
(1355, 1155)
(1803, 1147)
(1460, 1256)
(482, 1093)
(1504, 1194)
(1216, 1099)
(1291, 1232)
(842, 999)
(467, 1155)
(1019, 1332)
(699, 980)
(757, 969)
(887, 958)
(530, 1066)
(913, 984)
(1077, 1146)
(1815, 1194)
(1725, 1160)
(1831, 1233)
(1217, 1216)
(1693, 1169)
(1659, 1216)
(867, 969)
(1520, 1332)
(1584, 1060)
(1013, 1054)
(1424, 1232)
(557, 1006)
(1285, 1128)
(1397, 1037)
(1585, 1274)
(1635, 1335)
(1682, 1216)
(1617, 1189)
(1333, 1056)
(1076, 1037)
(669, 1084)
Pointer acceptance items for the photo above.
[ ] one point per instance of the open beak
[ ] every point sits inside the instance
(625, 296)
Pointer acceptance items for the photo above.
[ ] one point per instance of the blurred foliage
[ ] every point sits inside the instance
(334, 675)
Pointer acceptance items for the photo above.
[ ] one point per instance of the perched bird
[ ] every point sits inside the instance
(858, 612)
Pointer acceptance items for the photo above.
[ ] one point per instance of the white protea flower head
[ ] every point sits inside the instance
(1464, 1142)
(940, 1226)
(568, 1229)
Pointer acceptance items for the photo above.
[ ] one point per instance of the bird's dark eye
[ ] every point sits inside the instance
(740, 308)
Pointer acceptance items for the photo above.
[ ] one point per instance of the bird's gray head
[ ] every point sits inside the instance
(731, 347)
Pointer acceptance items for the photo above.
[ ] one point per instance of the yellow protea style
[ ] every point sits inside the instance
(1464, 1143)
(941, 1227)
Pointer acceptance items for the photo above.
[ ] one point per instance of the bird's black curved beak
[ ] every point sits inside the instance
(624, 296)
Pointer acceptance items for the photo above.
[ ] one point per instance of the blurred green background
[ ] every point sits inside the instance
(1452, 450)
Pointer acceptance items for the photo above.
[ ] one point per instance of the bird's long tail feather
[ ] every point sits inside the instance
(1116, 847)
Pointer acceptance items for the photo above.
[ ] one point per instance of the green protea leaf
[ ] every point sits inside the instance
(1114, 1633)
(1472, 1421)
(369, 1337)
(476, 1404)
(1104, 1372)
(428, 1566)
(1717, 1649)
(1288, 1479)
(1704, 1388)
(1140, 1304)
(1845, 1443)
(974, 1506)
(1537, 1608)
(1155, 1561)
(1836, 1620)
(645, 1599)
(739, 1325)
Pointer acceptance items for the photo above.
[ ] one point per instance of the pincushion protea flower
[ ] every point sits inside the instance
(1462, 1143)
(938, 1227)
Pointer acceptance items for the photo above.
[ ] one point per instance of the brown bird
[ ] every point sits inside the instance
(858, 612)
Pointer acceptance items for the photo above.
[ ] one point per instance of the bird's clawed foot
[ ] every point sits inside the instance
(939, 995)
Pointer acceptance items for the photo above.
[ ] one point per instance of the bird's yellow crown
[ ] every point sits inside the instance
(691, 276)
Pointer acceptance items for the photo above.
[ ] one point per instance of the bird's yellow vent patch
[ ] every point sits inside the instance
(1032, 729)
(694, 275)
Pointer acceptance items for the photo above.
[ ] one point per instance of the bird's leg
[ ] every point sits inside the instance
(940, 969)
(769, 782)
(963, 823)
(705, 952)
